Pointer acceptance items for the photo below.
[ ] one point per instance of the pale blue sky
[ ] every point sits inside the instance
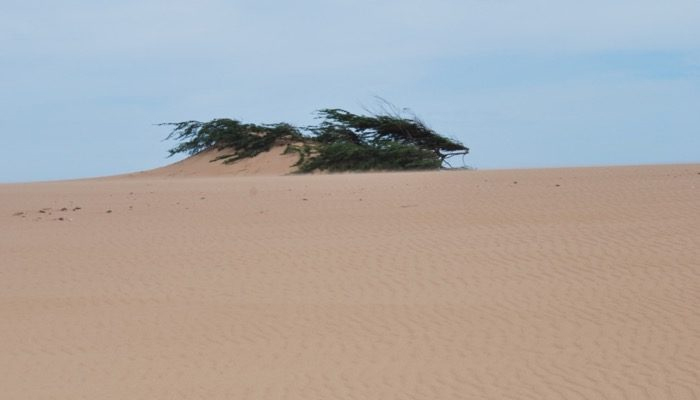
(522, 83)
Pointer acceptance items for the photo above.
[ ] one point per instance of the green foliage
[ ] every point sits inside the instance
(245, 140)
(347, 156)
(342, 141)
(384, 128)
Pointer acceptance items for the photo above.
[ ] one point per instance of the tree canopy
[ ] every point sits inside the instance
(341, 141)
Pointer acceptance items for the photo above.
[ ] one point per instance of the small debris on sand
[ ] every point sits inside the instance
(109, 211)
(18, 214)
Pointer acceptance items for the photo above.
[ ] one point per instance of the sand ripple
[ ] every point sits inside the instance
(569, 284)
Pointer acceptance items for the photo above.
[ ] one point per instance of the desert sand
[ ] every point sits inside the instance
(192, 283)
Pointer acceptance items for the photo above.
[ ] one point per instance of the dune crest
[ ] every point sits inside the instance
(269, 163)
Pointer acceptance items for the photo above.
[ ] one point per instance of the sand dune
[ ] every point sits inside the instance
(579, 283)
(273, 162)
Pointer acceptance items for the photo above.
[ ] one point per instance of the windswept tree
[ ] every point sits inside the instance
(379, 141)
(243, 140)
(341, 141)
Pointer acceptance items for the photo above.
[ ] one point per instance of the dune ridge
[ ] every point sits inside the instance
(575, 283)
(204, 163)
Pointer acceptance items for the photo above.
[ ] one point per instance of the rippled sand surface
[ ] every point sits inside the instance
(579, 283)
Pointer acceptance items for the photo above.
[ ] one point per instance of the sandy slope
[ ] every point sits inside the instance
(270, 163)
(569, 284)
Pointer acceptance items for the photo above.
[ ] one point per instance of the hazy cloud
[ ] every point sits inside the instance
(76, 75)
